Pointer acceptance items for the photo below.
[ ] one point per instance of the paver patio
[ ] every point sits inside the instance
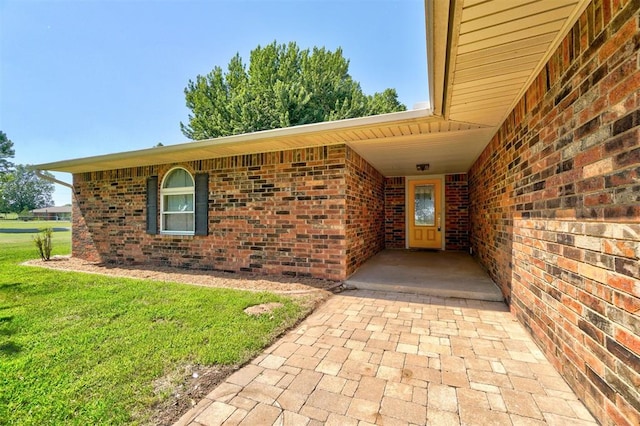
(388, 358)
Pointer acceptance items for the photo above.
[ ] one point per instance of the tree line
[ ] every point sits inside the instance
(20, 188)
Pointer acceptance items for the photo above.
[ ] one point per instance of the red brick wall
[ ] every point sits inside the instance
(456, 200)
(365, 211)
(555, 210)
(108, 208)
(272, 213)
(394, 213)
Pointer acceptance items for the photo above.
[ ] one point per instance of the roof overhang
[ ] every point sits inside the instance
(406, 123)
(481, 58)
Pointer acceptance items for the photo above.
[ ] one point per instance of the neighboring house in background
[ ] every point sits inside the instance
(52, 213)
(533, 149)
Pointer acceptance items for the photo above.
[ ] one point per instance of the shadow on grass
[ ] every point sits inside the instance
(7, 286)
(10, 348)
(29, 230)
(7, 348)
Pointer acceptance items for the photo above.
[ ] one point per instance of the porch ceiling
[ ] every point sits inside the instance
(450, 147)
(482, 56)
(497, 49)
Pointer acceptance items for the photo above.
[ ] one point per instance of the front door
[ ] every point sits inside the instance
(425, 213)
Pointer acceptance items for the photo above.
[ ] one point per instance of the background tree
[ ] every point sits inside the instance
(4, 207)
(6, 151)
(283, 86)
(23, 190)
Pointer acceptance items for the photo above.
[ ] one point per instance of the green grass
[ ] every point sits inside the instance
(85, 349)
(21, 224)
(20, 241)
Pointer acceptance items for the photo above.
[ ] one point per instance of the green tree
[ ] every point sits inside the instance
(6, 151)
(22, 190)
(4, 206)
(283, 86)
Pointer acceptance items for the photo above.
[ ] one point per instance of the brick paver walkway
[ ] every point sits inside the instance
(385, 358)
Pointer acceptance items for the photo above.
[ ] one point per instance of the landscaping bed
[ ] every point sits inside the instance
(240, 281)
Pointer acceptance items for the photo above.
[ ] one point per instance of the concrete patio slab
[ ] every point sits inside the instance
(431, 273)
(369, 357)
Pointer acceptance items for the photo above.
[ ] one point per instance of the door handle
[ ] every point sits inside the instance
(439, 221)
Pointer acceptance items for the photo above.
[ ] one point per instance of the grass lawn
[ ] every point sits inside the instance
(33, 224)
(85, 349)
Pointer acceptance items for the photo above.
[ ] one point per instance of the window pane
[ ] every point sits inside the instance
(178, 178)
(178, 222)
(425, 205)
(178, 203)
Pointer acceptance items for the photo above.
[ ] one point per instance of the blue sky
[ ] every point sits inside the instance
(83, 78)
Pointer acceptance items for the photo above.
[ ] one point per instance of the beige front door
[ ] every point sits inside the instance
(425, 213)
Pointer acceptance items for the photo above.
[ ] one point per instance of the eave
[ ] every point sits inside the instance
(309, 135)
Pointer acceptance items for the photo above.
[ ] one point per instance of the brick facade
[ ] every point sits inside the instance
(394, 213)
(272, 213)
(456, 205)
(555, 210)
(318, 212)
(365, 211)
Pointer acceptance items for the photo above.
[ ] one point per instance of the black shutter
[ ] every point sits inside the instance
(152, 205)
(202, 204)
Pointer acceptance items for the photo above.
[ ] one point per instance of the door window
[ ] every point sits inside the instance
(424, 198)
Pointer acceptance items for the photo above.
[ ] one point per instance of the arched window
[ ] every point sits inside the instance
(177, 195)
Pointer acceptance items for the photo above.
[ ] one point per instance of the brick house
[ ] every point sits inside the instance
(52, 213)
(532, 143)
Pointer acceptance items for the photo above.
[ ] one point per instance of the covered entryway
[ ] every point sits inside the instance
(424, 205)
(432, 273)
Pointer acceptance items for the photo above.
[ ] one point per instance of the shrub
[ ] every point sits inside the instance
(43, 243)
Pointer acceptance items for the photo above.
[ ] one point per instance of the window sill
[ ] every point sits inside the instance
(178, 233)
